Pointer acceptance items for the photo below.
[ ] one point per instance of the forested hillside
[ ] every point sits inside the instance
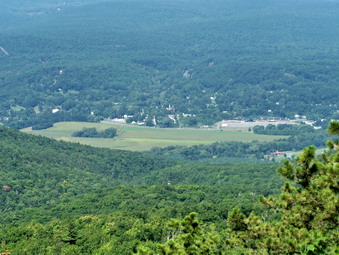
(45, 183)
(81, 216)
(37, 170)
(145, 60)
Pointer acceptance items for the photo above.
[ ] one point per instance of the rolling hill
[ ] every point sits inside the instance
(49, 186)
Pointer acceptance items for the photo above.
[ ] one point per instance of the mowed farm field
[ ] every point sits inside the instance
(143, 138)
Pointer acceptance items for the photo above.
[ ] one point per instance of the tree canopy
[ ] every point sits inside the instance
(62, 198)
(302, 220)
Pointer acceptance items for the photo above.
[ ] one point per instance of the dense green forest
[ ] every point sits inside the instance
(38, 170)
(63, 198)
(178, 63)
(50, 184)
(199, 61)
(50, 170)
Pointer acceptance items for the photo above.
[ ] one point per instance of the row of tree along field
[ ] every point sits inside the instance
(254, 149)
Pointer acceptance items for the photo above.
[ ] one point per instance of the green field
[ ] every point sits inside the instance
(143, 138)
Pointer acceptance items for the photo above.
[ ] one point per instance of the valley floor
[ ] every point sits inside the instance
(143, 138)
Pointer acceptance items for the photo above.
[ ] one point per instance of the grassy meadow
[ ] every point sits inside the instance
(143, 138)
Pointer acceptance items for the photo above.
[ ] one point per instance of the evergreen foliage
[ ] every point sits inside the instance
(308, 205)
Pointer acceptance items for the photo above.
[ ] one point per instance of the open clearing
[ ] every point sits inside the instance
(143, 138)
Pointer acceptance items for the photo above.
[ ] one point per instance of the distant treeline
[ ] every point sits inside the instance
(254, 149)
(283, 129)
(94, 133)
(43, 125)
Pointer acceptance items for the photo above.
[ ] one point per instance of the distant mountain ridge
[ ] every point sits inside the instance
(185, 63)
